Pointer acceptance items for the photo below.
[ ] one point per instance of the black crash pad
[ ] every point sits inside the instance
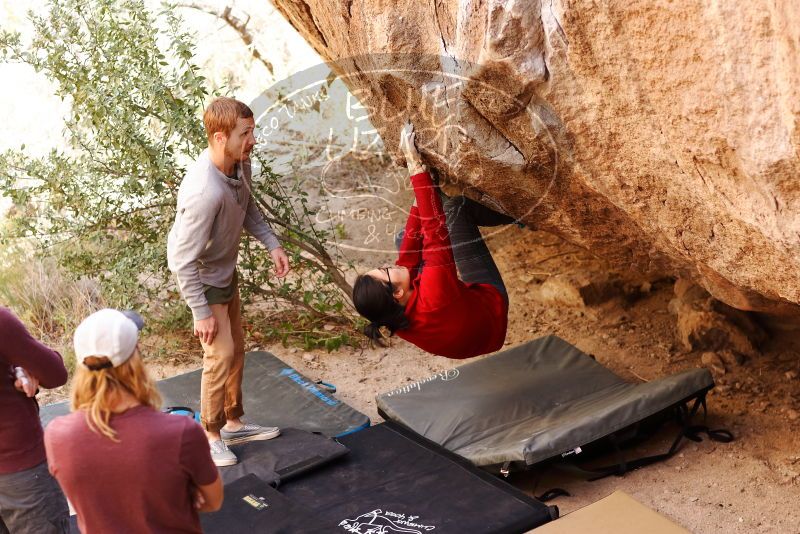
(292, 454)
(394, 481)
(273, 394)
(253, 506)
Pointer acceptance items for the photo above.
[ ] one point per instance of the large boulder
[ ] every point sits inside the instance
(661, 135)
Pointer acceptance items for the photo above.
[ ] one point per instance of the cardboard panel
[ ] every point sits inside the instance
(619, 513)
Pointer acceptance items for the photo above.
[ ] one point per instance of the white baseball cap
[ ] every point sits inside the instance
(110, 333)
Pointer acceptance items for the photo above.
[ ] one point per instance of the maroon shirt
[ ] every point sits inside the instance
(447, 317)
(141, 483)
(21, 445)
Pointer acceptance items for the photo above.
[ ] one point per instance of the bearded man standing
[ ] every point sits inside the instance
(214, 204)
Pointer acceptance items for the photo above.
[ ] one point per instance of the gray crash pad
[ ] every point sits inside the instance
(531, 403)
(273, 394)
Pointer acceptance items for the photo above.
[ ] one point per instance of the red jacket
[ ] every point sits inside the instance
(447, 316)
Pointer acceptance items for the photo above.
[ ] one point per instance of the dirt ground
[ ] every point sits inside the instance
(749, 485)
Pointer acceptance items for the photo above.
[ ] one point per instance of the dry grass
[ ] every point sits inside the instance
(50, 303)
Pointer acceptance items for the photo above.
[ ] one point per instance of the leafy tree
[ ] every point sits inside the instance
(104, 202)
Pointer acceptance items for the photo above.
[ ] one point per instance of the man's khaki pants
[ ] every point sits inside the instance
(223, 368)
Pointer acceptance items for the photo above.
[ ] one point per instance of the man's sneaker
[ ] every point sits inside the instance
(221, 454)
(249, 432)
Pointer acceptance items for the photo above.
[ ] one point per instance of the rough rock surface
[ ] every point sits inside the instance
(704, 323)
(660, 135)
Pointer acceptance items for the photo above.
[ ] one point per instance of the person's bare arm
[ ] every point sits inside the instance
(195, 459)
(209, 498)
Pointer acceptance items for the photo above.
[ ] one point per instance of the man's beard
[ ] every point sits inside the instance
(240, 155)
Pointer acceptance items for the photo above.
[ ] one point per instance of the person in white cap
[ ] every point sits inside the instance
(124, 465)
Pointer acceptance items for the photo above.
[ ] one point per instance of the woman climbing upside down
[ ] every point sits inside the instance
(421, 298)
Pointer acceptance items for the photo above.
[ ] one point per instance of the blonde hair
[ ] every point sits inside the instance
(221, 115)
(97, 388)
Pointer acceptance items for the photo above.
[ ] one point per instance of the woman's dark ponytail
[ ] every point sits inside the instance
(374, 300)
(373, 332)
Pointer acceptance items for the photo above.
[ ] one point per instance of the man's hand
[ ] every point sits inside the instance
(206, 329)
(281, 261)
(24, 382)
(408, 147)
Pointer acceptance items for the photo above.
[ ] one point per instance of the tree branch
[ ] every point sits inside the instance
(311, 245)
(269, 293)
(329, 266)
(239, 26)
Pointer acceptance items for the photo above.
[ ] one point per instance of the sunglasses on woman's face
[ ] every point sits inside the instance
(389, 278)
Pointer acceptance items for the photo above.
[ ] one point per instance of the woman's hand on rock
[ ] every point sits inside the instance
(408, 147)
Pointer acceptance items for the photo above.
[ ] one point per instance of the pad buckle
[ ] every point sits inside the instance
(505, 469)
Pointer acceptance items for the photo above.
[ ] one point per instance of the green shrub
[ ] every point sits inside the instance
(102, 204)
